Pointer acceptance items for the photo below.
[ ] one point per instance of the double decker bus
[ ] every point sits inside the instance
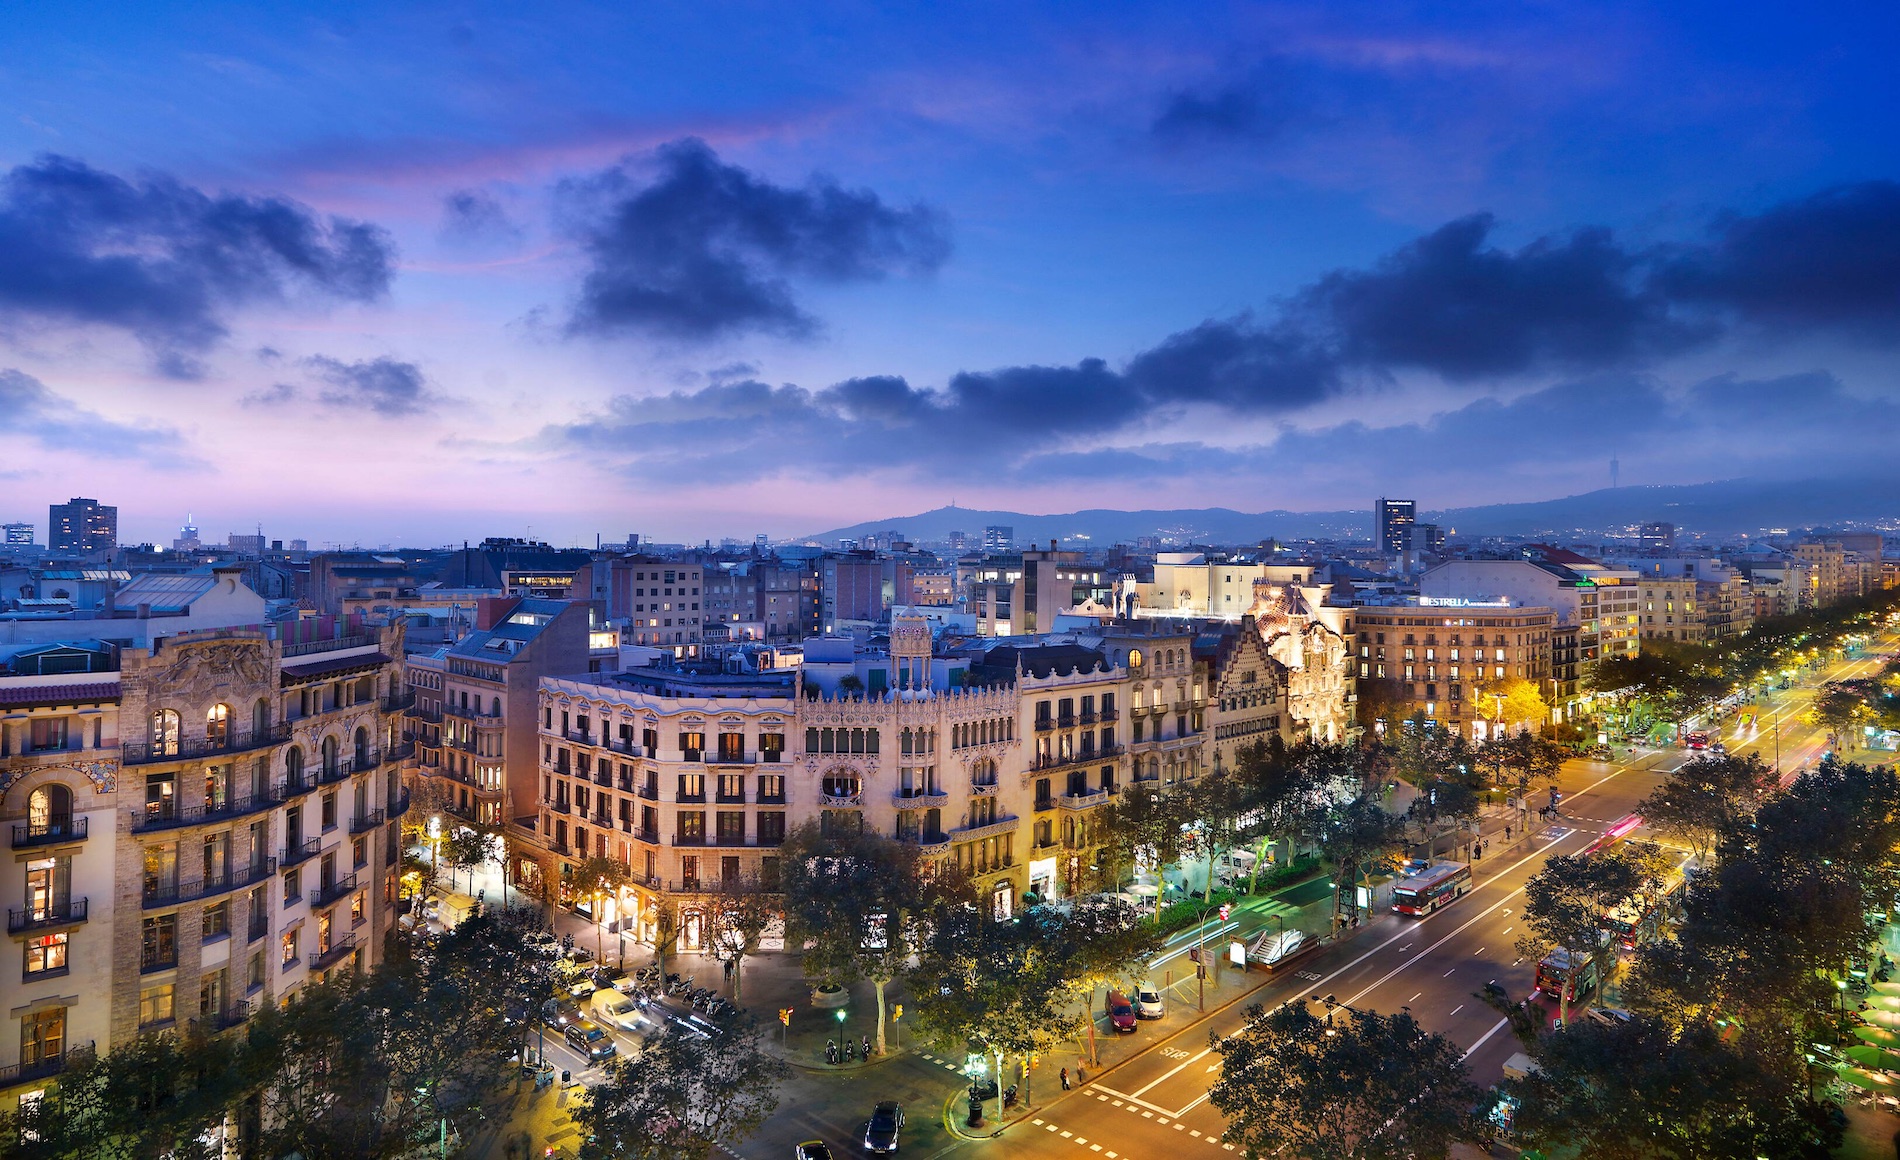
(1643, 920)
(1431, 888)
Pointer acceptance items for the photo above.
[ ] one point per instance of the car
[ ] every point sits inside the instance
(1148, 1004)
(590, 1039)
(812, 1150)
(579, 956)
(1121, 1013)
(581, 987)
(1608, 1016)
(617, 1010)
(880, 1135)
(542, 942)
(1698, 741)
(558, 1013)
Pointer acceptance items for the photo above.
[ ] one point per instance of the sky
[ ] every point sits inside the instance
(419, 273)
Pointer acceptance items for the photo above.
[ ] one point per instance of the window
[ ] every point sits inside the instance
(46, 954)
(49, 810)
(217, 920)
(329, 811)
(289, 944)
(692, 745)
(218, 727)
(164, 737)
(155, 1005)
(771, 829)
(160, 943)
(42, 1036)
(359, 852)
(731, 828)
(47, 733)
(293, 887)
(692, 826)
(692, 787)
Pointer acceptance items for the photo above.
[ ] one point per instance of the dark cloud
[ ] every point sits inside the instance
(473, 217)
(30, 411)
(685, 246)
(1451, 305)
(383, 385)
(1239, 112)
(165, 261)
(1830, 260)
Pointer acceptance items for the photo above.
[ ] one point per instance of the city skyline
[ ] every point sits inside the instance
(474, 274)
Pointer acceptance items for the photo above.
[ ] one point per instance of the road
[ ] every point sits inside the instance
(1157, 1101)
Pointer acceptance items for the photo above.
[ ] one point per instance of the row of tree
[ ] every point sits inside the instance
(1787, 897)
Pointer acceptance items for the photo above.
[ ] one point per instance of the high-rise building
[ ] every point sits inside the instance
(1395, 518)
(188, 540)
(999, 537)
(82, 525)
(1657, 537)
(957, 541)
(18, 535)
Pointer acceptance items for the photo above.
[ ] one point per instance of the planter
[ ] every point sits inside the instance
(829, 996)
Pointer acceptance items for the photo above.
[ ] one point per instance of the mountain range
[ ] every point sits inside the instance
(1720, 508)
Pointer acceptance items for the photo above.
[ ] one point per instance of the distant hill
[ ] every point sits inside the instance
(1718, 508)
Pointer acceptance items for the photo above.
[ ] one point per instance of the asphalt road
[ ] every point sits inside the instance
(1157, 1101)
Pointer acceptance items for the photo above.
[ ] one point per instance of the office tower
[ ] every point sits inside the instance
(1395, 518)
(82, 525)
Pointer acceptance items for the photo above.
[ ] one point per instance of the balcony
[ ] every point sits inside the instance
(65, 912)
(561, 806)
(1065, 721)
(431, 714)
(983, 789)
(1044, 724)
(14, 1074)
(919, 799)
(171, 894)
(364, 823)
(171, 816)
(840, 801)
(929, 843)
(398, 806)
(299, 852)
(331, 644)
(472, 714)
(1044, 761)
(1109, 716)
(239, 741)
(215, 1021)
(1003, 825)
(1085, 801)
(740, 758)
(649, 791)
(1182, 705)
(50, 833)
(1085, 717)
(1045, 803)
(325, 895)
(398, 702)
(691, 799)
(689, 840)
(339, 950)
(651, 837)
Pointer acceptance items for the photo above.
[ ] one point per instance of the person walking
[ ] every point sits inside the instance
(865, 1047)
(1065, 1079)
(831, 1051)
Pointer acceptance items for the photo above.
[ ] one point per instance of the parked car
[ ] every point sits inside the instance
(880, 1135)
(617, 1010)
(578, 956)
(1608, 1016)
(1148, 1004)
(1121, 1013)
(581, 986)
(812, 1150)
(590, 1039)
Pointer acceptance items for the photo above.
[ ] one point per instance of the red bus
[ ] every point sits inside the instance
(1554, 976)
(1431, 888)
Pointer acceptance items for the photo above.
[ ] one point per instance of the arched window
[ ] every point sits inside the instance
(260, 719)
(49, 811)
(293, 766)
(495, 707)
(1134, 658)
(218, 727)
(362, 749)
(329, 757)
(164, 733)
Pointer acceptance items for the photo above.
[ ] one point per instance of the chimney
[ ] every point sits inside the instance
(1052, 545)
(492, 610)
(111, 604)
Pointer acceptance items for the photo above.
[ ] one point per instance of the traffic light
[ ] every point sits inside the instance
(785, 1016)
(898, 1012)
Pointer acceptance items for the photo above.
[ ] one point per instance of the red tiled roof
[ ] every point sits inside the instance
(23, 696)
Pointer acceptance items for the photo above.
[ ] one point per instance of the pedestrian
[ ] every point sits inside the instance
(1507, 833)
(1065, 1079)
(831, 1051)
(866, 1046)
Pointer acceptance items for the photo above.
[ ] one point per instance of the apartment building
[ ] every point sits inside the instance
(200, 824)
(658, 601)
(1436, 657)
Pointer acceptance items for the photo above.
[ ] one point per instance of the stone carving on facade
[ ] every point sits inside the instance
(1315, 659)
(215, 663)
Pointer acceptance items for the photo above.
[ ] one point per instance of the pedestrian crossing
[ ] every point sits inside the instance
(1132, 1107)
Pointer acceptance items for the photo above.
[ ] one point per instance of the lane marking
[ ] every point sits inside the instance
(1454, 1010)
(1414, 998)
(1497, 1027)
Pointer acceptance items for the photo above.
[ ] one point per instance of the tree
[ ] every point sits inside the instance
(1523, 760)
(597, 880)
(1142, 827)
(1355, 1085)
(1293, 787)
(1352, 836)
(157, 1094)
(737, 912)
(854, 903)
(1513, 701)
(1649, 1089)
(1708, 798)
(1563, 911)
(1444, 807)
(685, 1095)
(466, 850)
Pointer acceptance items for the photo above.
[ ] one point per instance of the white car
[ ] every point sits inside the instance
(1148, 1003)
(617, 1010)
(1608, 1016)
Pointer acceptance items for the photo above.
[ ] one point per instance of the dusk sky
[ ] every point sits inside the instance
(422, 273)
